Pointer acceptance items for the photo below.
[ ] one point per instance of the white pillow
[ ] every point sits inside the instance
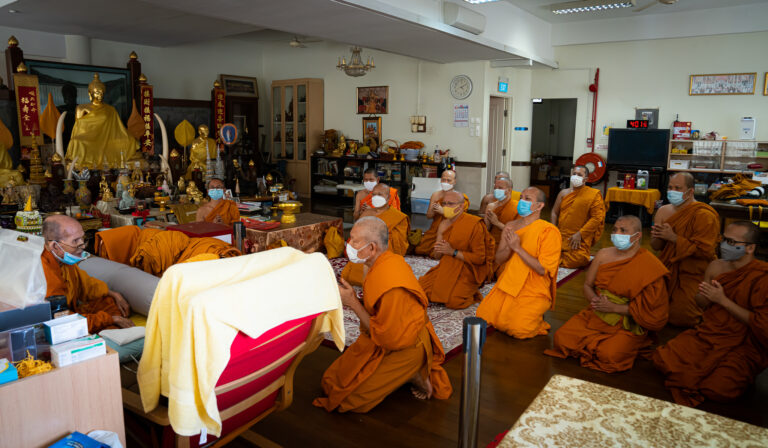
(137, 286)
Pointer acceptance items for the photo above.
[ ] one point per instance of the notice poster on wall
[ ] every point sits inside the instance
(461, 115)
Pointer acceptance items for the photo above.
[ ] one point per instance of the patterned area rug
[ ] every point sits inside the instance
(447, 322)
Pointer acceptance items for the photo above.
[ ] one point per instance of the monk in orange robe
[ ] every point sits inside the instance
(117, 244)
(397, 224)
(686, 233)
(504, 210)
(397, 342)
(579, 213)
(218, 209)
(435, 212)
(627, 292)
(530, 254)
(488, 198)
(363, 198)
(465, 249)
(157, 250)
(87, 296)
(720, 358)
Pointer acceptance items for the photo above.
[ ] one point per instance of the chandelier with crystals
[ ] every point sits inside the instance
(355, 66)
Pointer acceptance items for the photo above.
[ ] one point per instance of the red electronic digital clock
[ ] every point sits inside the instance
(637, 124)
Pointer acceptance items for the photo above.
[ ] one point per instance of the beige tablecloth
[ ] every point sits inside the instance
(575, 413)
(306, 234)
(645, 198)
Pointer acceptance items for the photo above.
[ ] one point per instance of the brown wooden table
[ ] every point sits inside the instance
(306, 234)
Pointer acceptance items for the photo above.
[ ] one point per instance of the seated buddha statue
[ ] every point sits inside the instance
(98, 136)
(7, 173)
(197, 151)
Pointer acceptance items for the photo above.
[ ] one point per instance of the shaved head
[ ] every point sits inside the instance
(453, 196)
(59, 227)
(371, 229)
(750, 233)
(581, 168)
(684, 179)
(632, 222)
(448, 176)
(215, 182)
(381, 190)
(501, 174)
(535, 194)
(503, 182)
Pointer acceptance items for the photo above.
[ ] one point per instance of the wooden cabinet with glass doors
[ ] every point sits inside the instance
(297, 126)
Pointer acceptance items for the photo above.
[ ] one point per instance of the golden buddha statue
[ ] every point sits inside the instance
(98, 136)
(7, 173)
(197, 150)
(106, 193)
(193, 194)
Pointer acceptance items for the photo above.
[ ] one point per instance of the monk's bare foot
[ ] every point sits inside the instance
(422, 388)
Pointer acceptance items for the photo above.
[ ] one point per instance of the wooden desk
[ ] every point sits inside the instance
(571, 412)
(39, 410)
(306, 234)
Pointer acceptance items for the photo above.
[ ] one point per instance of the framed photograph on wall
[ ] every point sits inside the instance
(372, 130)
(723, 84)
(765, 84)
(373, 100)
(652, 115)
(240, 85)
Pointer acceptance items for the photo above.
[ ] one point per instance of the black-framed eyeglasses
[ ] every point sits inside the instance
(80, 246)
(733, 242)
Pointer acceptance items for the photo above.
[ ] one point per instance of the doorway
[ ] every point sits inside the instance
(553, 129)
(498, 137)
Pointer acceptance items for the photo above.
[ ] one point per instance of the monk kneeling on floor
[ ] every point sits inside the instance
(397, 225)
(528, 259)
(579, 213)
(87, 296)
(503, 210)
(491, 197)
(627, 292)
(720, 358)
(218, 209)
(465, 249)
(397, 342)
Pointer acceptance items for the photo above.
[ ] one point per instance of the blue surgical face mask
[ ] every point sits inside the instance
(524, 208)
(69, 258)
(675, 197)
(622, 242)
(215, 193)
(499, 194)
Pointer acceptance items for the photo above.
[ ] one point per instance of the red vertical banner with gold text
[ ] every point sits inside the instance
(147, 115)
(219, 108)
(28, 108)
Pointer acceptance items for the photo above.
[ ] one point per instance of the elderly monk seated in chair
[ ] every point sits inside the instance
(627, 294)
(397, 342)
(397, 225)
(465, 250)
(364, 198)
(579, 213)
(90, 297)
(720, 358)
(218, 209)
(528, 259)
(503, 210)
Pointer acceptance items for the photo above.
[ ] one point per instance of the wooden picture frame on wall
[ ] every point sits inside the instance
(240, 86)
(372, 129)
(723, 84)
(373, 100)
(765, 85)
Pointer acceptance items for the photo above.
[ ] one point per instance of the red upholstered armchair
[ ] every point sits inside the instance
(257, 381)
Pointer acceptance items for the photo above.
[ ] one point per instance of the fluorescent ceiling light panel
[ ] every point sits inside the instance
(475, 2)
(590, 6)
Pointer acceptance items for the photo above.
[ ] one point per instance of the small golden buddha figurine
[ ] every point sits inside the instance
(181, 185)
(198, 149)
(194, 195)
(9, 193)
(98, 135)
(106, 193)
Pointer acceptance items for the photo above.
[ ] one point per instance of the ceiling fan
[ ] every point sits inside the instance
(295, 42)
(654, 2)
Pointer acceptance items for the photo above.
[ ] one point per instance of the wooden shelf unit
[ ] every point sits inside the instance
(722, 156)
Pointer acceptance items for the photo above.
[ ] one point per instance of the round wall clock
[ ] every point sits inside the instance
(461, 87)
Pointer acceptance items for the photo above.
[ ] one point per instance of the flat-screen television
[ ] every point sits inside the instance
(638, 147)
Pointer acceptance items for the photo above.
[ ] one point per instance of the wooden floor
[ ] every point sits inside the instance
(513, 373)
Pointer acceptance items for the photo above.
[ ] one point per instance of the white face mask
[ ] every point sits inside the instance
(369, 185)
(576, 180)
(378, 201)
(352, 254)
(446, 186)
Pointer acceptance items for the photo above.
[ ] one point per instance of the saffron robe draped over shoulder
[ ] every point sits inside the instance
(394, 199)
(85, 295)
(613, 348)
(453, 281)
(429, 238)
(506, 212)
(698, 231)
(517, 303)
(398, 227)
(400, 343)
(583, 210)
(720, 358)
(228, 211)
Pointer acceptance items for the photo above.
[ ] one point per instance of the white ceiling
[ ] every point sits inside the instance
(541, 9)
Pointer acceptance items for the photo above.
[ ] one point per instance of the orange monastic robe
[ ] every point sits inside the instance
(429, 238)
(398, 226)
(613, 348)
(698, 231)
(400, 343)
(505, 213)
(583, 210)
(228, 211)
(157, 250)
(85, 295)
(394, 199)
(118, 244)
(721, 357)
(455, 282)
(517, 303)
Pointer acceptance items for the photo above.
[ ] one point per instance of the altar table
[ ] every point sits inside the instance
(645, 198)
(306, 234)
(572, 412)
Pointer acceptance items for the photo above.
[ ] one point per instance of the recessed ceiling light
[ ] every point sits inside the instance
(590, 6)
(475, 2)
(13, 11)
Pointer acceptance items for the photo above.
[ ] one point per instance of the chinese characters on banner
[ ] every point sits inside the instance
(219, 111)
(28, 108)
(147, 113)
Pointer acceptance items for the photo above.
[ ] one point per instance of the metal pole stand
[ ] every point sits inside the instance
(238, 233)
(474, 339)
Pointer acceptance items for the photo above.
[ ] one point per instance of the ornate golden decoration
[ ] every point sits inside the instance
(12, 41)
(142, 78)
(216, 84)
(22, 68)
(56, 158)
(133, 55)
